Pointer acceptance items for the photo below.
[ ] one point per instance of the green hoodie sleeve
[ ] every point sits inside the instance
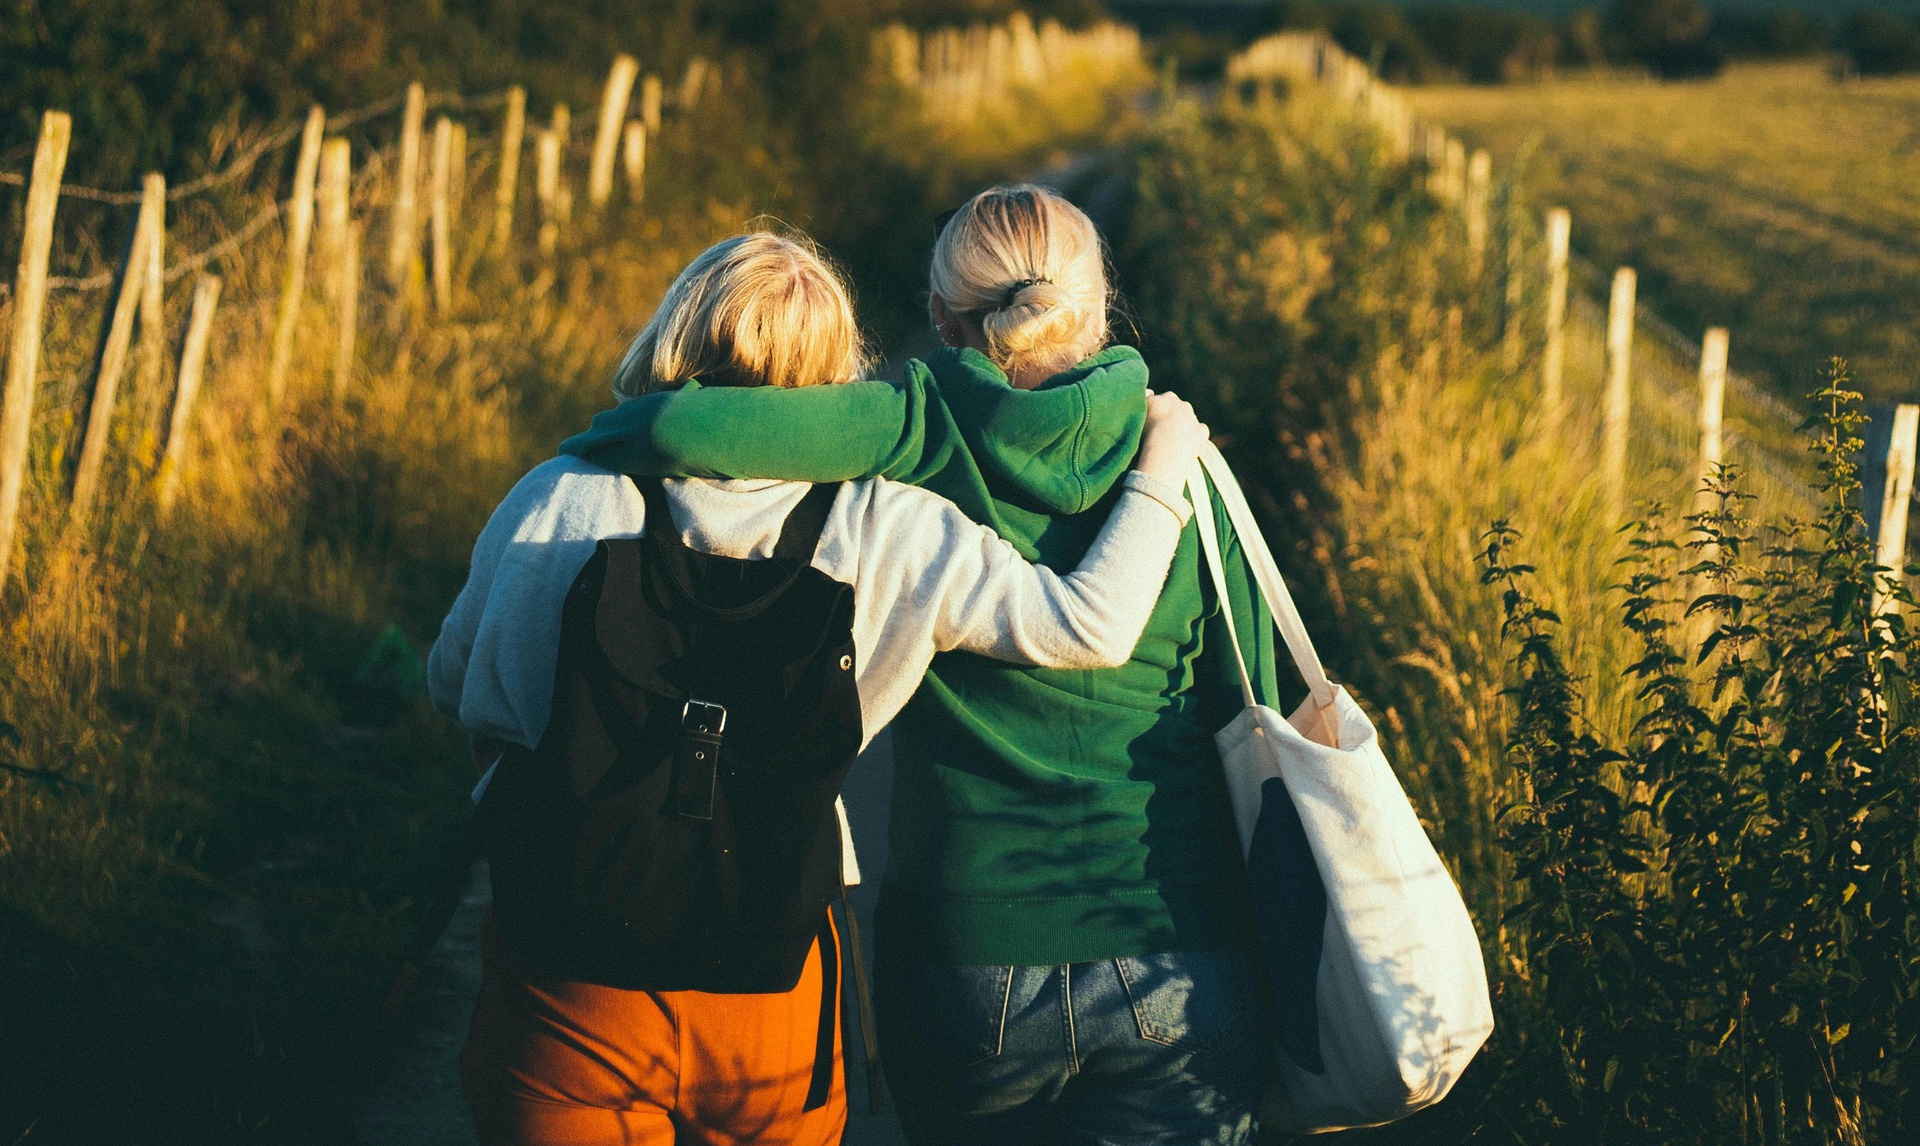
(814, 433)
(955, 425)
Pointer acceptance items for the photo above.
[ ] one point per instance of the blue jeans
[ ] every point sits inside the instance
(1160, 1049)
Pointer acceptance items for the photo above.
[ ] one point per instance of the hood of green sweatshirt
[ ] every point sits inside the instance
(1059, 447)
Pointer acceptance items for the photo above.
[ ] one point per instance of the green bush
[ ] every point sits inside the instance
(1720, 911)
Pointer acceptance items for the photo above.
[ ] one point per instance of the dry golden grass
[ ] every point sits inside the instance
(214, 828)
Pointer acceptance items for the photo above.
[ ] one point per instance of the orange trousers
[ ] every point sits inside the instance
(556, 1063)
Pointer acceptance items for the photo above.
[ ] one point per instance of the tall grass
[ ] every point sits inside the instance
(212, 823)
(1308, 293)
(221, 794)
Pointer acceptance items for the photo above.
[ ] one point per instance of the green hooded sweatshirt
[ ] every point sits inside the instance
(1040, 816)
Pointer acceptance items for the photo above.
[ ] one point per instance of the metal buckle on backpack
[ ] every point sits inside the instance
(696, 762)
(710, 717)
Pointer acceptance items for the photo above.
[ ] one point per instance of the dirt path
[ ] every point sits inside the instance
(419, 1103)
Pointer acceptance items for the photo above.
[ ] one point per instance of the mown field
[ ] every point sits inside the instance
(1775, 201)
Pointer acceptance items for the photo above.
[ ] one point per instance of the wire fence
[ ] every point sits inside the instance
(1663, 407)
(412, 189)
(243, 164)
(234, 172)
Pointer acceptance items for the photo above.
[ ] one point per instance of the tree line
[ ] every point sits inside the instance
(1482, 43)
(167, 84)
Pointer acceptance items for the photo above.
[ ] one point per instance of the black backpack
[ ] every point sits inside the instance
(675, 827)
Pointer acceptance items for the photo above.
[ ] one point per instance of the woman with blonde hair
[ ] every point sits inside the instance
(678, 675)
(1065, 951)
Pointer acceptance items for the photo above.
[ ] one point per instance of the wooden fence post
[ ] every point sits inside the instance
(293, 286)
(562, 187)
(457, 176)
(1478, 203)
(613, 113)
(1454, 188)
(546, 188)
(1553, 364)
(1510, 341)
(442, 184)
(347, 329)
(1713, 399)
(633, 153)
(340, 243)
(650, 104)
(508, 182)
(335, 203)
(193, 364)
(29, 310)
(693, 83)
(1620, 314)
(556, 201)
(153, 310)
(113, 358)
(1891, 548)
(403, 242)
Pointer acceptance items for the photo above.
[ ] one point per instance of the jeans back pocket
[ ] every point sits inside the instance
(958, 1011)
(1194, 1000)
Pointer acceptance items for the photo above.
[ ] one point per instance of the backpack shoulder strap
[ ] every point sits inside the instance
(800, 536)
(659, 522)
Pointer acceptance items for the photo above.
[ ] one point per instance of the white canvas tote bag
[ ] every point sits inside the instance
(1379, 990)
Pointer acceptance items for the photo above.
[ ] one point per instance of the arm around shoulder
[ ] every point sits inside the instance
(927, 566)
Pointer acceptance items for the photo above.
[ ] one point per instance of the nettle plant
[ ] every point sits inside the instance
(1720, 930)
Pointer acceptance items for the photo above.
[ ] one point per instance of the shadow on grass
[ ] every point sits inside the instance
(225, 986)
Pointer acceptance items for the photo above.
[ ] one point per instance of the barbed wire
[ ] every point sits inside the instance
(251, 228)
(185, 266)
(244, 163)
(1647, 318)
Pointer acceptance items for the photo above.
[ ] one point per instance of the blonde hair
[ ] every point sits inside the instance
(760, 309)
(1028, 265)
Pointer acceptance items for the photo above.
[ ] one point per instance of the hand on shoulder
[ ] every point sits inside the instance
(1173, 439)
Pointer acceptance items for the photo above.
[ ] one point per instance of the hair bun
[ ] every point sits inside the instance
(1015, 292)
(1029, 266)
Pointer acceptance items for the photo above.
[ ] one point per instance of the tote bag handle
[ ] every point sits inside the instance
(1266, 574)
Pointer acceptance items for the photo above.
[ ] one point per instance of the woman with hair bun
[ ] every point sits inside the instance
(1064, 943)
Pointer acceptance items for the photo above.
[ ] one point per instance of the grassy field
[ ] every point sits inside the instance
(1774, 201)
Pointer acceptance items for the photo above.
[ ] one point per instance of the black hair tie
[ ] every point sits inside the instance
(1014, 290)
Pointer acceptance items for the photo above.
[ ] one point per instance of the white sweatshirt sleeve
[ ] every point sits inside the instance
(492, 667)
(928, 579)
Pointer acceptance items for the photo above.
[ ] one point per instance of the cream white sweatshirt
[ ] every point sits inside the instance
(926, 579)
